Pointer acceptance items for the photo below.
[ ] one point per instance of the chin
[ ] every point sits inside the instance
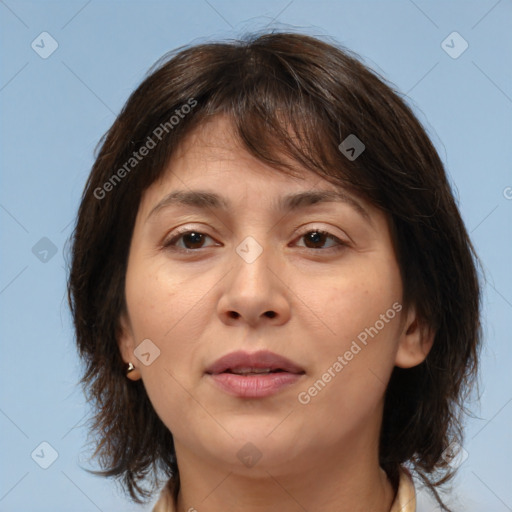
(264, 428)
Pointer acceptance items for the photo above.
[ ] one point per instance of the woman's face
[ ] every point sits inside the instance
(259, 277)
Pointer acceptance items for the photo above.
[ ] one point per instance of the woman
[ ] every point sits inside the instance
(272, 288)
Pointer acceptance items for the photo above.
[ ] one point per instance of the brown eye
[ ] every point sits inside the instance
(190, 240)
(315, 239)
(193, 239)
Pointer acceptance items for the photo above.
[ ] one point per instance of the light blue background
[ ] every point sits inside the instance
(53, 112)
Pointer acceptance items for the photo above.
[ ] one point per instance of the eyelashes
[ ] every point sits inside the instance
(193, 237)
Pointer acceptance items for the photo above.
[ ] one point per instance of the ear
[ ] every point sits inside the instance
(415, 342)
(125, 341)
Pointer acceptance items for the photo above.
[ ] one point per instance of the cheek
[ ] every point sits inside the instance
(158, 299)
(351, 374)
(163, 308)
(362, 310)
(354, 301)
(173, 403)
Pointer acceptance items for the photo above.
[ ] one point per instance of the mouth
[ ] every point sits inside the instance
(254, 375)
(244, 363)
(252, 371)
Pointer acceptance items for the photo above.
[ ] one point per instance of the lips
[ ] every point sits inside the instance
(256, 363)
(254, 376)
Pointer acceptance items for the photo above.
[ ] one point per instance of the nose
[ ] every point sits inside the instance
(254, 292)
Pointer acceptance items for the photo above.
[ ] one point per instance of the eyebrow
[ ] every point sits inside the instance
(203, 199)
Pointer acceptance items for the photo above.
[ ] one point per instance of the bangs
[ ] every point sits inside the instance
(278, 121)
(288, 118)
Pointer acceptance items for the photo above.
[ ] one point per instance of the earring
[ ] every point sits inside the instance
(130, 368)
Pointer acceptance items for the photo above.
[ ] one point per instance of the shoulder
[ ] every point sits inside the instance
(405, 500)
(165, 501)
(408, 499)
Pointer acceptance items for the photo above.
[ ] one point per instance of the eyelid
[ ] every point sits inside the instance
(340, 243)
(183, 230)
(342, 238)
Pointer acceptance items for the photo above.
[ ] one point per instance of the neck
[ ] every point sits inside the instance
(346, 482)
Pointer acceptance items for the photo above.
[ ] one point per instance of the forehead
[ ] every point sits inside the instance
(212, 159)
(212, 153)
(216, 147)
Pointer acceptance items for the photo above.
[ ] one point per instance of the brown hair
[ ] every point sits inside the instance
(272, 85)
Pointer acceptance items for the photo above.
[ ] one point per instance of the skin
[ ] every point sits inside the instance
(319, 456)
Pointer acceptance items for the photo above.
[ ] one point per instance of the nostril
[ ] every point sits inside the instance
(234, 314)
